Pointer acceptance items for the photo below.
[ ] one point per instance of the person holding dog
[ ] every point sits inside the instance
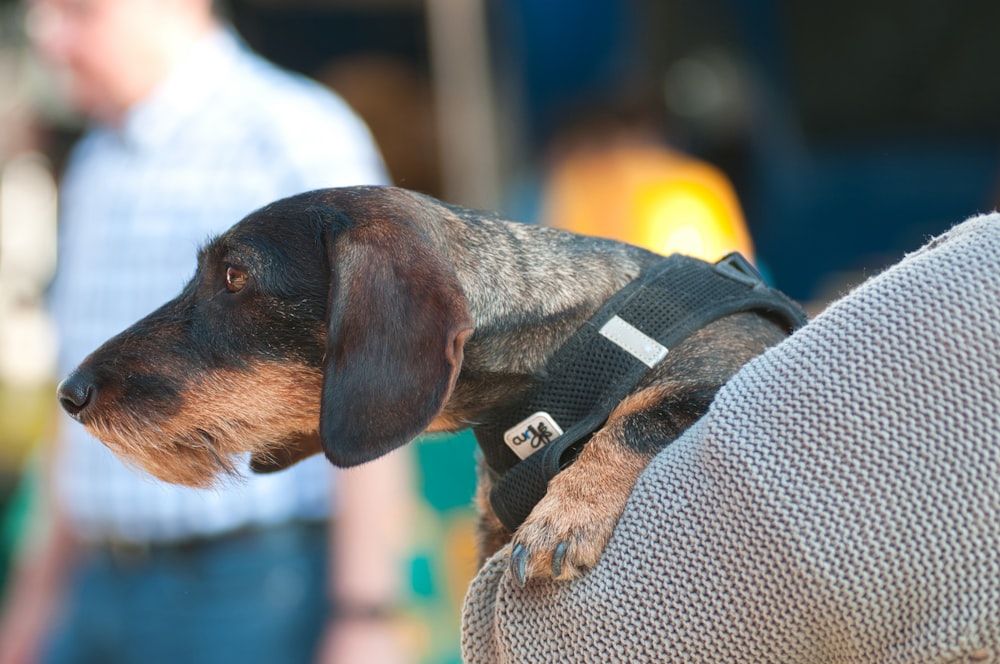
(839, 501)
(190, 132)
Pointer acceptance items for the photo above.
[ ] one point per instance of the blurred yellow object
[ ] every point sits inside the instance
(650, 196)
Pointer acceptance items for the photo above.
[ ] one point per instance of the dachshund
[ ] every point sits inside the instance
(349, 321)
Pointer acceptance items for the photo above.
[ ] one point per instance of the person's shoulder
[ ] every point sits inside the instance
(293, 122)
(977, 227)
(975, 239)
(290, 97)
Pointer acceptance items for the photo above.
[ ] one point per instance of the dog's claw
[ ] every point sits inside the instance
(558, 556)
(519, 564)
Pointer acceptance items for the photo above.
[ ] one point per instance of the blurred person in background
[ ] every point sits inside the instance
(191, 131)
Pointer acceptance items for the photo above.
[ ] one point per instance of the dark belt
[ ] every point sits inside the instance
(130, 553)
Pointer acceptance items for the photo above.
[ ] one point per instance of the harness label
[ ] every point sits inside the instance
(631, 339)
(532, 434)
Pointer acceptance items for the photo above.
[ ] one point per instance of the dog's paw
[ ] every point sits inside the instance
(559, 543)
(566, 533)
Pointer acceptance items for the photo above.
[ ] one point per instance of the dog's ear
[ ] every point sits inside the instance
(398, 323)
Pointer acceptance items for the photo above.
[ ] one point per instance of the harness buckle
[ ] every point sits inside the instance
(738, 268)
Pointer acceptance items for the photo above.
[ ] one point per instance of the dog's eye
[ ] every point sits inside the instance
(236, 279)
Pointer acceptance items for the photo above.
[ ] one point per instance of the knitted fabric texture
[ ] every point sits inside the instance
(839, 502)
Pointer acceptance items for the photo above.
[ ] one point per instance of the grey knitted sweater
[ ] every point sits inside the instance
(840, 502)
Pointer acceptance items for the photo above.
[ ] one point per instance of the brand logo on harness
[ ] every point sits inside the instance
(532, 434)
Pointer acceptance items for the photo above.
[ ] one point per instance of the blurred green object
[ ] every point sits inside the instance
(422, 576)
(16, 495)
(444, 558)
(27, 413)
(448, 470)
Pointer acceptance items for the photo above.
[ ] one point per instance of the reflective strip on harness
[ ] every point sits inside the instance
(645, 349)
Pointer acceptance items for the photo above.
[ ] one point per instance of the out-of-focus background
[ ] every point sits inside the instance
(849, 132)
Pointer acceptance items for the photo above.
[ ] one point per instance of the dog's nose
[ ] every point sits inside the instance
(77, 392)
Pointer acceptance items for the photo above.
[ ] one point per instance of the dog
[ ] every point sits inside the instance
(349, 321)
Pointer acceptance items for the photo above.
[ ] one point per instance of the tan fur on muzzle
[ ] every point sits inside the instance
(224, 413)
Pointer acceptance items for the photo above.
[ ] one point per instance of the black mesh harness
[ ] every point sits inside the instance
(527, 443)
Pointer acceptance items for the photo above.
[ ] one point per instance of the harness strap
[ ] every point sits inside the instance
(527, 443)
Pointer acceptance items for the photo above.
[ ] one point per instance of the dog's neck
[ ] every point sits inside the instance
(529, 289)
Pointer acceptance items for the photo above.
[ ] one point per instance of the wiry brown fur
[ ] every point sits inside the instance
(372, 314)
(224, 413)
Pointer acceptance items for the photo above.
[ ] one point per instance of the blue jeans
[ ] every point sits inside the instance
(252, 596)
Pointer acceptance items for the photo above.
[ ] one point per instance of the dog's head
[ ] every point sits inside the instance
(327, 321)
